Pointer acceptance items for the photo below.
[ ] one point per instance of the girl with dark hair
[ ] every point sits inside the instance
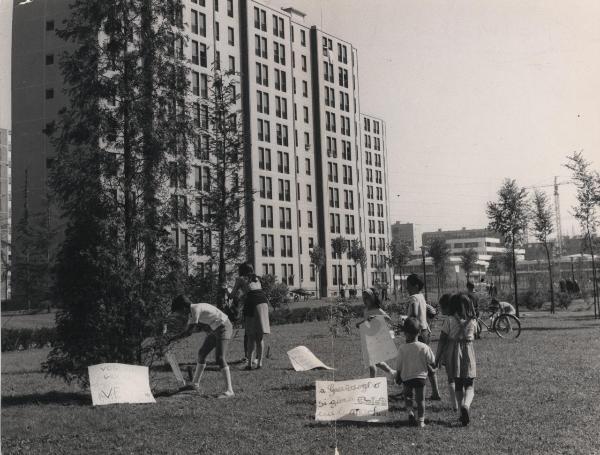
(373, 310)
(417, 308)
(248, 289)
(447, 312)
(456, 347)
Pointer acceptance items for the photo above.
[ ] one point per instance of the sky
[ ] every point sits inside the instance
(473, 91)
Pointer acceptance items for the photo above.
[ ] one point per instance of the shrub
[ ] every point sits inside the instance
(279, 295)
(16, 339)
(563, 299)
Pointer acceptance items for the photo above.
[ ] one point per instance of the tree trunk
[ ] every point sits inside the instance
(514, 267)
(550, 275)
(594, 279)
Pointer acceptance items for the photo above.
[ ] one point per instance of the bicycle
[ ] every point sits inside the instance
(504, 325)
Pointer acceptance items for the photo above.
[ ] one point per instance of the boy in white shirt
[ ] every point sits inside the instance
(212, 320)
(415, 361)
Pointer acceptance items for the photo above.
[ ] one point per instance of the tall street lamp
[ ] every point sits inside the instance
(424, 272)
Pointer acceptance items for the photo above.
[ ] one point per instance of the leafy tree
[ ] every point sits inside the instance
(127, 120)
(543, 228)
(317, 259)
(399, 257)
(359, 255)
(218, 225)
(468, 260)
(31, 257)
(508, 216)
(439, 251)
(339, 245)
(587, 182)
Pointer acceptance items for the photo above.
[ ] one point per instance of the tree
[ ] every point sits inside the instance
(317, 259)
(496, 266)
(508, 216)
(31, 256)
(359, 255)
(543, 228)
(587, 182)
(439, 251)
(218, 225)
(127, 121)
(339, 245)
(399, 257)
(468, 260)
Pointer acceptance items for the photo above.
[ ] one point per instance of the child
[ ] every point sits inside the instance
(415, 360)
(418, 309)
(456, 347)
(445, 308)
(220, 331)
(373, 310)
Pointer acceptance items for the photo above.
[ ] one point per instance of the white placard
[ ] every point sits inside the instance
(376, 342)
(358, 399)
(112, 383)
(303, 359)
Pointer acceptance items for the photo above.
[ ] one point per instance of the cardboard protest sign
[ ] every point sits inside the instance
(376, 342)
(358, 399)
(112, 383)
(303, 360)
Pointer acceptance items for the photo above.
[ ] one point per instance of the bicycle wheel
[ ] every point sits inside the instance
(507, 326)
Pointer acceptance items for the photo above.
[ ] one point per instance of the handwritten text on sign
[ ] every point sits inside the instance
(112, 383)
(303, 359)
(376, 342)
(358, 399)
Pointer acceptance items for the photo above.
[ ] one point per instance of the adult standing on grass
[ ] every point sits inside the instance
(219, 331)
(417, 308)
(256, 313)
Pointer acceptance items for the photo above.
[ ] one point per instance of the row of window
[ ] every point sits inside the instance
(376, 142)
(369, 159)
(330, 123)
(371, 209)
(380, 227)
(367, 125)
(371, 193)
(378, 176)
(328, 74)
(334, 198)
(332, 173)
(376, 244)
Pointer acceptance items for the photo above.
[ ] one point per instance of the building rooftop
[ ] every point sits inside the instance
(294, 12)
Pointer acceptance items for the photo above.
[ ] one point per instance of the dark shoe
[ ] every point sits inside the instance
(438, 398)
(464, 416)
(412, 421)
(248, 368)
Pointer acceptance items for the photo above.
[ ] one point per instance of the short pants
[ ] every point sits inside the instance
(463, 383)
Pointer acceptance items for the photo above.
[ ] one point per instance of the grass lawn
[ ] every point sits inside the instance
(537, 394)
(14, 320)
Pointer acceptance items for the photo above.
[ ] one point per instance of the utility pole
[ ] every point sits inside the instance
(559, 238)
(424, 272)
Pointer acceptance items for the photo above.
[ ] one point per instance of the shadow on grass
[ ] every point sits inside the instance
(298, 388)
(64, 398)
(549, 329)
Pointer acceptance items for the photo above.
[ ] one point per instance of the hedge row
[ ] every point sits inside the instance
(19, 339)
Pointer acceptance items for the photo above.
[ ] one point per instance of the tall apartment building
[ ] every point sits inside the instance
(304, 154)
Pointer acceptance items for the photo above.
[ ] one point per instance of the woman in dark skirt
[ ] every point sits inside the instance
(256, 313)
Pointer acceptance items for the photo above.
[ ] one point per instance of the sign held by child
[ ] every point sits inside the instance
(112, 383)
(376, 342)
(358, 399)
(303, 359)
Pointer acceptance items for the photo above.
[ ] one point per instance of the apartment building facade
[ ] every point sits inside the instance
(303, 159)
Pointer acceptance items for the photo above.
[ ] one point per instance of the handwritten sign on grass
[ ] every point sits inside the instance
(358, 399)
(303, 359)
(112, 383)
